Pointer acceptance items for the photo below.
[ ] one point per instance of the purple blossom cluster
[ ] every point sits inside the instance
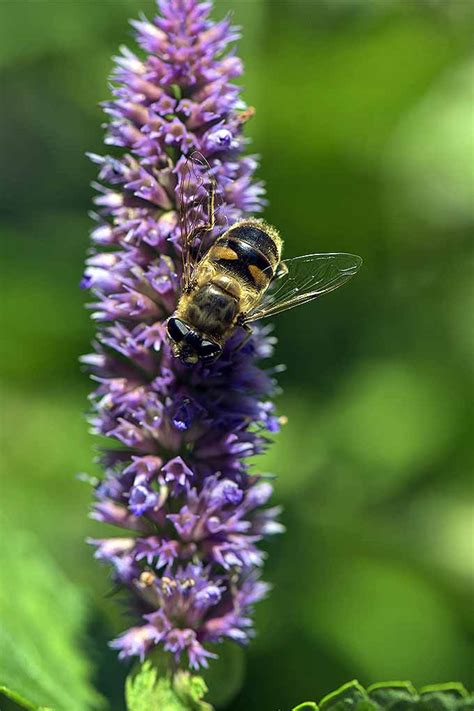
(176, 473)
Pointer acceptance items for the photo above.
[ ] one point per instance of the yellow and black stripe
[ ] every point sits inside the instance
(250, 251)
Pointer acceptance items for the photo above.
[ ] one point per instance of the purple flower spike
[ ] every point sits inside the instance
(176, 478)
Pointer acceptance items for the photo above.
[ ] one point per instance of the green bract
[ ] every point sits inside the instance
(148, 690)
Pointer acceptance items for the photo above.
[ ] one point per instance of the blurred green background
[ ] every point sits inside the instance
(365, 124)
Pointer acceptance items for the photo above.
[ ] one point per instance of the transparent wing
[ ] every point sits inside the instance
(305, 279)
(196, 198)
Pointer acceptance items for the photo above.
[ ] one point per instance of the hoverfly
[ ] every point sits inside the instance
(240, 278)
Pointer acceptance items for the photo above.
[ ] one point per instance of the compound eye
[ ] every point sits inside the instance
(176, 329)
(208, 351)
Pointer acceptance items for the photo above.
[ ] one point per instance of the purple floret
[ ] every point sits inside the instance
(176, 474)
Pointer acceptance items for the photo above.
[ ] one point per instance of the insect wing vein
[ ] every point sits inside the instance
(307, 278)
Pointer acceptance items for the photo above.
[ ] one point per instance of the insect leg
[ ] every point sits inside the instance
(211, 218)
(248, 334)
(211, 213)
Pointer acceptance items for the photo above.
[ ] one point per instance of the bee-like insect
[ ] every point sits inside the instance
(228, 287)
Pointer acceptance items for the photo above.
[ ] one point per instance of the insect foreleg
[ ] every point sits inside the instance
(248, 334)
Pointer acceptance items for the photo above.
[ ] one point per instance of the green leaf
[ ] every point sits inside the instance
(13, 696)
(344, 698)
(445, 697)
(151, 687)
(43, 617)
(394, 696)
(455, 689)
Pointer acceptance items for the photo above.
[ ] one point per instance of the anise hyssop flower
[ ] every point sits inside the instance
(176, 474)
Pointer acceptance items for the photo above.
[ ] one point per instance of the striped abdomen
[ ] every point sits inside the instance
(230, 279)
(250, 252)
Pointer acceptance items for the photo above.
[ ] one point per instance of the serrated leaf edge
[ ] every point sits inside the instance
(354, 684)
(385, 685)
(447, 686)
(396, 685)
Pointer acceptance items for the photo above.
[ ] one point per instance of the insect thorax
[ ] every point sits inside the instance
(210, 310)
